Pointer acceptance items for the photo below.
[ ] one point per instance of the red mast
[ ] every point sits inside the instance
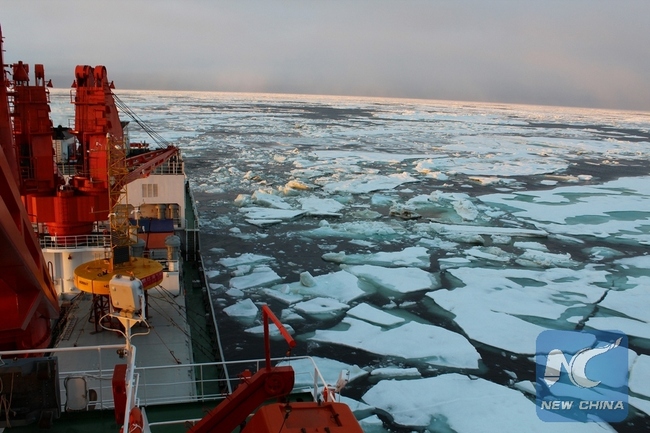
(33, 131)
(71, 209)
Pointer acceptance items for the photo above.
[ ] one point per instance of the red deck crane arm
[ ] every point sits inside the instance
(143, 165)
(249, 395)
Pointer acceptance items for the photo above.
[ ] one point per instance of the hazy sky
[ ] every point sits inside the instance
(587, 53)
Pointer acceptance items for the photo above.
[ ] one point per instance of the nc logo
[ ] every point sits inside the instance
(576, 367)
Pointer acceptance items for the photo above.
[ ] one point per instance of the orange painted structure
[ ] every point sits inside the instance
(304, 417)
(70, 208)
(28, 301)
(275, 383)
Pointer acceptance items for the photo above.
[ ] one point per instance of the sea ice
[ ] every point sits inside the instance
(212, 273)
(235, 293)
(412, 341)
(369, 183)
(487, 305)
(244, 259)
(498, 330)
(330, 369)
(381, 200)
(630, 327)
(263, 213)
(357, 230)
(526, 386)
(530, 246)
(244, 310)
(274, 332)
(374, 315)
(259, 277)
(321, 308)
(289, 315)
(284, 294)
(395, 280)
(449, 230)
(269, 200)
(453, 402)
(315, 206)
(488, 253)
(536, 258)
(632, 302)
(610, 210)
(340, 285)
(263, 222)
(640, 404)
(395, 373)
(410, 256)
(525, 292)
(358, 408)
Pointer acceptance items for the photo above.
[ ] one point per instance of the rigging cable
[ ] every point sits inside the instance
(157, 138)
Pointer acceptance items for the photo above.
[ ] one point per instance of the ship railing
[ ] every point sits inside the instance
(204, 384)
(170, 167)
(158, 385)
(96, 382)
(309, 381)
(79, 241)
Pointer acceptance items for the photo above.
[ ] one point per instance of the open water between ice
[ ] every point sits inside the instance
(422, 245)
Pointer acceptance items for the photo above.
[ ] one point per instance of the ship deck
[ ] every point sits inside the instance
(178, 356)
(165, 341)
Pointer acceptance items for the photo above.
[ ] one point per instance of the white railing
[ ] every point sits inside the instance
(98, 379)
(67, 242)
(160, 385)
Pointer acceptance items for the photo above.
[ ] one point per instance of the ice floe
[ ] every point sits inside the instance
(369, 183)
(321, 308)
(341, 286)
(315, 206)
(427, 344)
(453, 402)
(258, 276)
(244, 310)
(411, 256)
(395, 281)
(330, 369)
(374, 315)
(505, 308)
(614, 209)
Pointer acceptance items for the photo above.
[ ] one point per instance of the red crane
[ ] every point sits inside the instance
(70, 208)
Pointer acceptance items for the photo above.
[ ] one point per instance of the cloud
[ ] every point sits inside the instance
(583, 53)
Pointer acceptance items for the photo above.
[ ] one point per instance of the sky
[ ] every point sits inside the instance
(581, 53)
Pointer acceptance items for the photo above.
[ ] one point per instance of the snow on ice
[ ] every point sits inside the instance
(453, 402)
(419, 231)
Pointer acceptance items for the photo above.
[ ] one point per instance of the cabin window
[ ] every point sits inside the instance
(149, 190)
